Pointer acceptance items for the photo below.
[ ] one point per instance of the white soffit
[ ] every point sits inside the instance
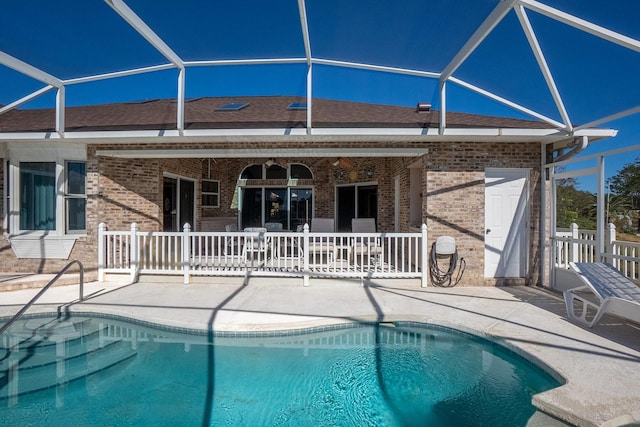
(233, 153)
(374, 135)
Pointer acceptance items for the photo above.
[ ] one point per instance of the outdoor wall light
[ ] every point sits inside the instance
(369, 172)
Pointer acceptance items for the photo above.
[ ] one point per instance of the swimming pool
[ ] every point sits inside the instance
(109, 371)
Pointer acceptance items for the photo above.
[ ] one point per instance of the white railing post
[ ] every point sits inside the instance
(424, 256)
(102, 227)
(574, 246)
(609, 244)
(305, 253)
(134, 253)
(186, 251)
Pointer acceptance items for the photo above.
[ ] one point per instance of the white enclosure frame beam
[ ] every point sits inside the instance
(60, 110)
(443, 106)
(542, 63)
(145, 31)
(494, 18)
(600, 208)
(117, 74)
(29, 70)
(231, 62)
(506, 102)
(24, 99)
(381, 68)
(302, 10)
(610, 118)
(180, 105)
(581, 24)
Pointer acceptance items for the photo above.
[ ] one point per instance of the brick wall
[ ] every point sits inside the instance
(121, 191)
(454, 203)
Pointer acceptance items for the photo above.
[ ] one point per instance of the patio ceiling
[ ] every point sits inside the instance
(446, 54)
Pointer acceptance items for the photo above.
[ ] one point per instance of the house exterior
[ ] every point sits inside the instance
(249, 161)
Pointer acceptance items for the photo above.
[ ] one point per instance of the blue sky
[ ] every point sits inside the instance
(78, 38)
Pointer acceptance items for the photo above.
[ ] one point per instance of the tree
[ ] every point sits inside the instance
(574, 205)
(627, 183)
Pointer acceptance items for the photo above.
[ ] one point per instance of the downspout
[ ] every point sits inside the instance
(577, 149)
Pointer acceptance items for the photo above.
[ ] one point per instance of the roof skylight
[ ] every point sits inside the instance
(297, 106)
(233, 106)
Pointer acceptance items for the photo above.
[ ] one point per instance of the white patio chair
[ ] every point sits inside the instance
(322, 246)
(255, 247)
(273, 226)
(365, 249)
(232, 244)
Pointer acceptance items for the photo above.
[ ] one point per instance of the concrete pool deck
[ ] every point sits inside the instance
(601, 366)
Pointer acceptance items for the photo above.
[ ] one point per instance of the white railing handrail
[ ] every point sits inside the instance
(572, 244)
(267, 253)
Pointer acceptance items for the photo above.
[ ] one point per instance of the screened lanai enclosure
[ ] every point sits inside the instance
(199, 131)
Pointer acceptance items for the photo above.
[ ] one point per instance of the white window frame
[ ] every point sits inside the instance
(37, 152)
(208, 193)
(67, 196)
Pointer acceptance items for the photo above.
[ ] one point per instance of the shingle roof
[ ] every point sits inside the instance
(262, 112)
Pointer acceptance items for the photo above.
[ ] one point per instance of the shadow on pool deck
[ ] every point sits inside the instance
(601, 366)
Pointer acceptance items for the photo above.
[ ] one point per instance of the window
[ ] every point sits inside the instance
(37, 195)
(276, 172)
(252, 172)
(210, 193)
(76, 197)
(51, 197)
(286, 203)
(300, 172)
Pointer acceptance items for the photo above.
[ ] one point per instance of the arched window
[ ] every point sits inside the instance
(252, 172)
(300, 171)
(276, 171)
(281, 200)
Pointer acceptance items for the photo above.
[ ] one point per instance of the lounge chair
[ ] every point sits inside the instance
(322, 246)
(617, 294)
(365, 249)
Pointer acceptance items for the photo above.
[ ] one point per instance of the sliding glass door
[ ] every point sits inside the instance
(289, 206)
(355, 201)
(178, 208)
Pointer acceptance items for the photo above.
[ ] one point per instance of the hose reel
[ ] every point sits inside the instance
(444, 248)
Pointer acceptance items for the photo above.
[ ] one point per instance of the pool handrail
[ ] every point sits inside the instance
(43, 290)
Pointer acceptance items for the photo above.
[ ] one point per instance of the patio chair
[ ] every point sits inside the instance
(322, 246)
(365, 249)
(273, 226)
(616, 294)
(255, 247)
(232, 244)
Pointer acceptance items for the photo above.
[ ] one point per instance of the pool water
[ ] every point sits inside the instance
(108, 372)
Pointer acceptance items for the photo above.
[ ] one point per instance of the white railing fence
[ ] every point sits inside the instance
(258, 253)
(575, 245)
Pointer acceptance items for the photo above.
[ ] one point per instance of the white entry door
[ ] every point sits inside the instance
(506, 239)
